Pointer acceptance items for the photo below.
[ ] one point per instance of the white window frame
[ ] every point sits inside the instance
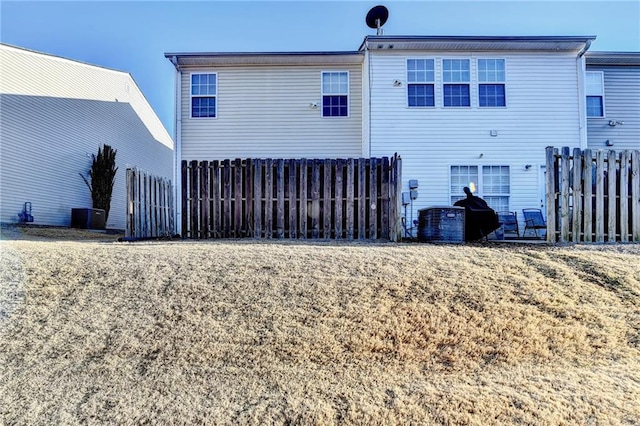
(191, 95)
(601, 94)
(425, 83)
(480, 192)
(323, 94)
(443, 83)
(480, 82)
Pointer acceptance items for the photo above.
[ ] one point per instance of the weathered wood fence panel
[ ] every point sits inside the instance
(150, 206)
(593, 198)
(293, 198)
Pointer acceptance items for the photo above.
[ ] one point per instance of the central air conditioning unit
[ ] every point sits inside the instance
(441, 224)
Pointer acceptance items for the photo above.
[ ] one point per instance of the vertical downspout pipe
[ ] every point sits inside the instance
(177, 181)
(582, 94)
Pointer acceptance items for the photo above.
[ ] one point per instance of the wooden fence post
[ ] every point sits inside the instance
(624, 195)
(587, 173)
(599, 196)
(564, 195)
(362, 199)
(350, 198)
(612, 193)
(280, 198)
(237, 198)
(373, 199)
(257, 198)
(339, 169)
(577, 195)
(304, 173)
(326, 199)
(551, 167)
(293, 210)
(268, 198)
(217, 202)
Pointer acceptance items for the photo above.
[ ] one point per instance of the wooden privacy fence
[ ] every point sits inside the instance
(150, 206)
(593, 198)
(292, 198)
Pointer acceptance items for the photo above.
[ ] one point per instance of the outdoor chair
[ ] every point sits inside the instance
(509, 222)
(534, 220)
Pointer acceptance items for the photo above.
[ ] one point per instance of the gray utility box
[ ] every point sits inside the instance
(87, 218)
(441, 224)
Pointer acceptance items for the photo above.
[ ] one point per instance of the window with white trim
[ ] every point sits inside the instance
(204, 92)
(595, 94)
(492, 183)
(420, 82)
(335, 93)
(456, 78)
(491, 83)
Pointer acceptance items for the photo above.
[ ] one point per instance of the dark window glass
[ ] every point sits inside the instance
(203, 107)
(594, 106)
(456, 95)
(421, 95)
(491, 95)
(334, 106)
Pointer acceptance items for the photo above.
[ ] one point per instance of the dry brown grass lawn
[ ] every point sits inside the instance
(290, 333)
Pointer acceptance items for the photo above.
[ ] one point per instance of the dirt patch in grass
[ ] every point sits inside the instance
(10, 231)
(293, 333)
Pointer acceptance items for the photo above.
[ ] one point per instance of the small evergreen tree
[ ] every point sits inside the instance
(102, 175)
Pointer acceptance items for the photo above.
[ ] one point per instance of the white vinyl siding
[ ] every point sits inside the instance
(622, 92)
(56, 113)
(543, 110)
(272, 111)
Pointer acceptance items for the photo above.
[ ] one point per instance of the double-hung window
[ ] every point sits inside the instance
(595, 94)
(420, 82)
(491, 82)
(492, 184)
(456, 77)
(335, 94)
(204, 91)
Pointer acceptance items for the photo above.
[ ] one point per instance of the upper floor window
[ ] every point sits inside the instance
(595, 94)
(456, 77)
(335, 94)
(420, 82)
(491, 83)
(204, 91)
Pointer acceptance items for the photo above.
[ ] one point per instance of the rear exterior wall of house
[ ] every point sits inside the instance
(268, 112)
(500, 148)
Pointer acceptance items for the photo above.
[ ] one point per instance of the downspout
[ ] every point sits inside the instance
(582, 95)
(177, 167)
(367, 103)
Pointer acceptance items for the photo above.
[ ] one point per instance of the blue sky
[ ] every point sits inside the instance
(133, 36)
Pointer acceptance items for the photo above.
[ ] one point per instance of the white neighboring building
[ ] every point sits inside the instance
(55, 114)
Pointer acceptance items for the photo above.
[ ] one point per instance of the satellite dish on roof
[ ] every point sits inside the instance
(377, 17)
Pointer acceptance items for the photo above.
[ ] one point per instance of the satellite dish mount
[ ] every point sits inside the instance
(377, 17)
